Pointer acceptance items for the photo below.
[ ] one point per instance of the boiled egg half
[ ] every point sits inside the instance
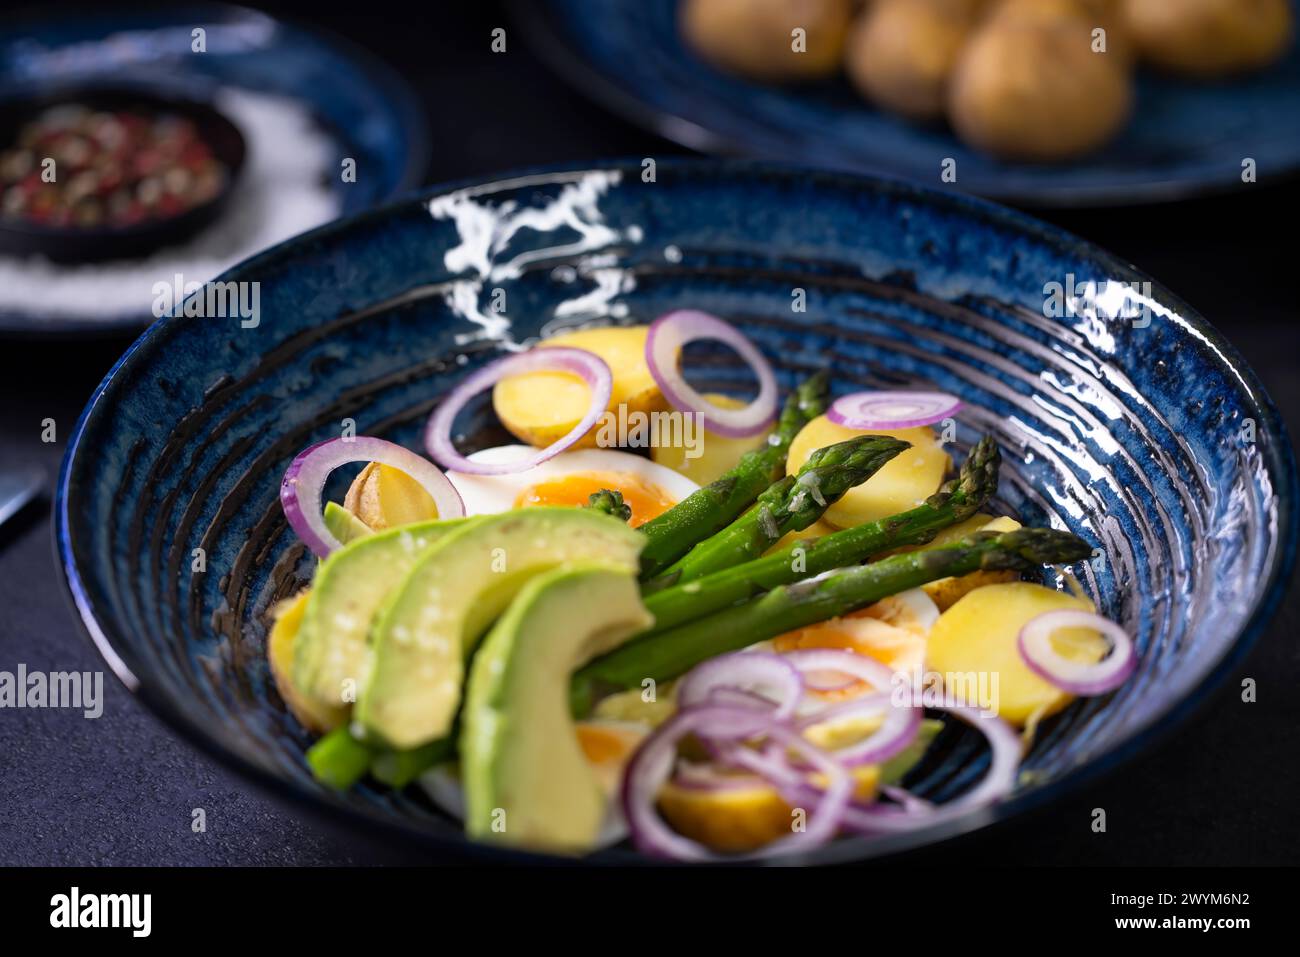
(570, 478)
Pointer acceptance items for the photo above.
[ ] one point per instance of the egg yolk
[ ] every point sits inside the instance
(646, 500)
(860, 632)
(607, 751)
(601, 746)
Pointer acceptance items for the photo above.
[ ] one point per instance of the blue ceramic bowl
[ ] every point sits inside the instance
(1186, 137)
(1148, 436)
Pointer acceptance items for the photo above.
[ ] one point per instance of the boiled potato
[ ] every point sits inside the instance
(540, 408)
(755, 39)
(734, 820)
(1106, 14)
(978, 636)
(718, 453)
(1209, 38)
(946, 592)
(384, 497)
(1031, 88)
(279, 653)
(904, 482)
(901, 54)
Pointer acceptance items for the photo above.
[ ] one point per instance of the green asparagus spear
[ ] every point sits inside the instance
(397, 769)
(667, 654)
(791, 504)
(955, 502)
(611, 503)
(699, 515)
(338, 759)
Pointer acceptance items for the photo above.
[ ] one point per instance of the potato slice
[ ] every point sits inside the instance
(977, 637)
(279, 653)
(904, 482)
(541, 407)
(716, 453)
(744, 818)
(385, 497)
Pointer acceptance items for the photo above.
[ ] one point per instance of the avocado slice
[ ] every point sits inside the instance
(350, 587)
(436, 616)
(343, 525)
(526, 780)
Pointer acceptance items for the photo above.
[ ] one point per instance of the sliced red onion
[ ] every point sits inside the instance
(821, 662)
(773, 764)
(1076, 677)
(588, 366)
(910, 802)
(895, 733)
(664, 342)
(892, 410)
(653, 763)
(1004, 765)
(819, 683)
(767, 677)
(695, 776)
(303, 485)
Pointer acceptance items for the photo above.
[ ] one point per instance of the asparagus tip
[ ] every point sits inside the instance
(609, 501)
(1039, 546)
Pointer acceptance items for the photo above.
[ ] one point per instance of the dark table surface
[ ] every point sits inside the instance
(1220, 789)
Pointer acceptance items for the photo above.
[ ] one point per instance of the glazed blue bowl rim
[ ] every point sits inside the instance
(1279, 456)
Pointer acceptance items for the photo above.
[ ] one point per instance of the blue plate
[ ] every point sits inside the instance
(1186, 137)
(359, 100)
(1147, 435)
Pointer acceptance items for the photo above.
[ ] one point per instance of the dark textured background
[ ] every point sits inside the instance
(1220, 789)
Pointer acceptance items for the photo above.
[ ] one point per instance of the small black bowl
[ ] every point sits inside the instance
(70, 244)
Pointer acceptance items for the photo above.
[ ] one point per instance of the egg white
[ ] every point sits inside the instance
(491, 494)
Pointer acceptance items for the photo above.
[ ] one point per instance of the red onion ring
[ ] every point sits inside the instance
(653, 762)
(750, 672)
(1076, 677)
(819, 661)
(303, 485)
(1004, 764)
(694, 776)
(663, 345)
(909, 801)
(892, 410)
(588, 366)
(895, 733)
